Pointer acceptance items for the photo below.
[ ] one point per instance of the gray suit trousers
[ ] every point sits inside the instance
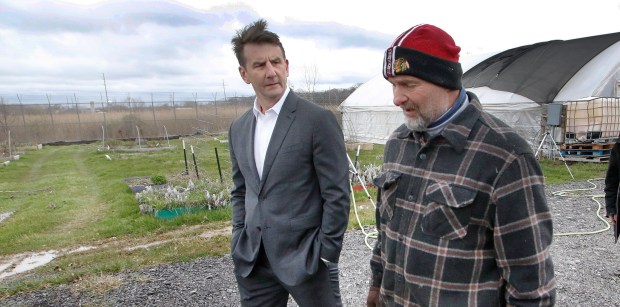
(262, 287)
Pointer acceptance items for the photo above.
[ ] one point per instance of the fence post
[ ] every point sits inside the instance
(21, 107)
(49, 108)
(219, 168)
(174, 109)
(104, 110)
(77, 110)
(196, 103)
(153, 110)
(129, 102)
(195, 164)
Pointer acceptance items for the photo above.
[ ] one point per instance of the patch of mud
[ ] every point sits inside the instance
(14, 264)
(25, 262)
(5, 215)
(211, 233)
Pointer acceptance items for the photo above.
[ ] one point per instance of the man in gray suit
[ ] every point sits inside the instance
(291, 191)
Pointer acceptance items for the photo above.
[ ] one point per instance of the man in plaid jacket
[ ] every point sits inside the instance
(461, 214)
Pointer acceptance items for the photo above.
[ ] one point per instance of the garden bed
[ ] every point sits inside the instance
(177, 195)
(139, 184)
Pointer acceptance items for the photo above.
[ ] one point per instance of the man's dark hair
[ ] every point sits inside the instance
(254, 33)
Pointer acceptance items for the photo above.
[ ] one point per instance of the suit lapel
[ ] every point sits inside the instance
(285, 119)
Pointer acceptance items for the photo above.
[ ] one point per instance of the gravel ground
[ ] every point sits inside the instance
(584, 267)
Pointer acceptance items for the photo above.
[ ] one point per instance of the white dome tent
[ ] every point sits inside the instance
(514, 85)
(368, 114)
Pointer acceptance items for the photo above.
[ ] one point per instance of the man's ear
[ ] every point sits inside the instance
(244, 75)
(286, 61)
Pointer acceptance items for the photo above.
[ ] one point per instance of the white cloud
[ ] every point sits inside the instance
(62, 47)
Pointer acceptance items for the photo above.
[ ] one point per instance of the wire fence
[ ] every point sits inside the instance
(43, 119)
(67, 120)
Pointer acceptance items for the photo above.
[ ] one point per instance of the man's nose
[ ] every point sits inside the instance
(271, 70)
(399, 99)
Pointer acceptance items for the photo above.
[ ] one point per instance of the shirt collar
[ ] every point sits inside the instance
(459, 105)
(276, 107)
(462, 98)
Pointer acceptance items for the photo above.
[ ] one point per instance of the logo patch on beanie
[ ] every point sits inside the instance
(401, 65)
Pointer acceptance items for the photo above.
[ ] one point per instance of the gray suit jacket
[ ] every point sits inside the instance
(300, 208)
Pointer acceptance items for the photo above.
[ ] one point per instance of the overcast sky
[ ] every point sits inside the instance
(63, 48)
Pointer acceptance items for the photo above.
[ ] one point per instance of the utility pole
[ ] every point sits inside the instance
(105, 87)
(224, 87)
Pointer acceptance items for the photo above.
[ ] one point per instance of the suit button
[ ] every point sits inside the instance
(422, 156)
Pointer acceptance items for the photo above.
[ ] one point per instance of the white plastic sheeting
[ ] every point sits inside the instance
(370, 116)
(597, 78)
(519, 112)
(369, 123)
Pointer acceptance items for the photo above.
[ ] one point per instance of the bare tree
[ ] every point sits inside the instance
(311, 78)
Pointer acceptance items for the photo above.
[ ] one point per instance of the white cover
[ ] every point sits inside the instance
(369, 115)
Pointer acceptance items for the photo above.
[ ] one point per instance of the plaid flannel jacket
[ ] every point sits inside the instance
(462, 219)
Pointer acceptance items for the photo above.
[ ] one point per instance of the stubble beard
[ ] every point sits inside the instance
(418, 124)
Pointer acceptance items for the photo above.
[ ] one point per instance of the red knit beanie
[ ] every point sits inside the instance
(426, 52)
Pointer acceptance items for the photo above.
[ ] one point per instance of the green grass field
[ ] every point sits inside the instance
(74, 200)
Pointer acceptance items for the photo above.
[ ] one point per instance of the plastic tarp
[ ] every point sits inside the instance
(540, 71)
(368, 114)
(513, 85)
(519, 112)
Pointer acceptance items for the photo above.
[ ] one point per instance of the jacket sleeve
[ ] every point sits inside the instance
(332, 169)
(238, 190)
(523, 232)
(612, 181)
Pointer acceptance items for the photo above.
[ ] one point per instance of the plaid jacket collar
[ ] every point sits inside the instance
(458, 131)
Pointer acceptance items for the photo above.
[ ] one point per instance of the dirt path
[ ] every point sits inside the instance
(42, 158)
(90, 208)
(22, 263)
(82, 213)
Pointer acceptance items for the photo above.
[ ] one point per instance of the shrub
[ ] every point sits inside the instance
(368, 172)
(158, 179)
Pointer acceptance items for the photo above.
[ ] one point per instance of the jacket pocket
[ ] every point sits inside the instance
(236, 234)
(305, 222)
(292, 148)
(447, 210)
(387, 183)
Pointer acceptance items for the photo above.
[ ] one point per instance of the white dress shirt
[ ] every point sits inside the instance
(265, 123)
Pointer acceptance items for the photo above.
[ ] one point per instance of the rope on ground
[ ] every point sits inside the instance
(353, 170)
(367, 235)
(570, 193)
